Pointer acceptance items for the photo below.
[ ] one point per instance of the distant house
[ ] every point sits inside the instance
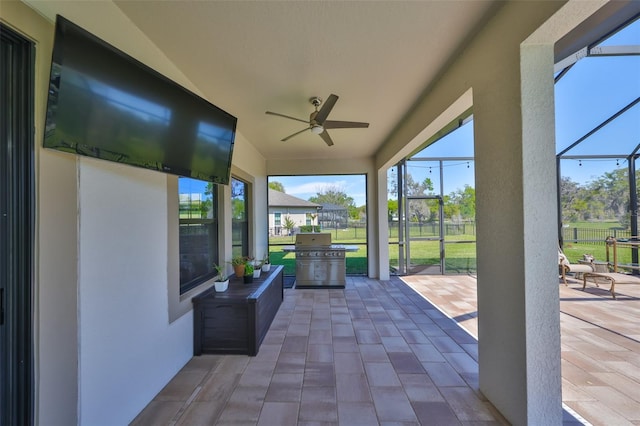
(283, 205)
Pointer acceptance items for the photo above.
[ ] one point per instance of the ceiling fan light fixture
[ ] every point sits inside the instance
(317, 129)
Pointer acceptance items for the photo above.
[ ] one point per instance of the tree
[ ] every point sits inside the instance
(333, 194)
(461, 204)
(392, 209)
(206, 205)
(288, 224)
(612, 191)
(418, 188)
(277, 186)
(605, 198)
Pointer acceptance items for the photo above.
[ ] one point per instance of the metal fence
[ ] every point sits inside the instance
(592, 235)
(433, 228)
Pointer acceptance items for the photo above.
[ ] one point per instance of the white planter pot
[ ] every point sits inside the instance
(266, 267)
(256, 273)
(221, 285)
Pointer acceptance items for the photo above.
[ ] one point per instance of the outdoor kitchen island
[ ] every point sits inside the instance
(319, 264)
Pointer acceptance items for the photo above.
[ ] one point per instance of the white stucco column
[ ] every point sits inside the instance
(542, 304)
(519, 326)
(383, 225)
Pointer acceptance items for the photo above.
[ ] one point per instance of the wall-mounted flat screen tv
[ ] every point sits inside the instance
(105, 104)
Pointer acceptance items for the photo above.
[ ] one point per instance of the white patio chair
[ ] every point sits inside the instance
(566, 266)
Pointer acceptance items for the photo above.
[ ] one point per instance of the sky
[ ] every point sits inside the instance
(309, 186)
(593, 90)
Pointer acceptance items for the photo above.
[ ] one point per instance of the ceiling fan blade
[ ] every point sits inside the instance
(286, 116)
(326, 138)
(295, 134)
(327, 106)
(329, 124)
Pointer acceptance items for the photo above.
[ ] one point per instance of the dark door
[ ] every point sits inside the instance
(16, 228)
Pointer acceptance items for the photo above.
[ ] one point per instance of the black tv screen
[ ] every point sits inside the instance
(105, 104)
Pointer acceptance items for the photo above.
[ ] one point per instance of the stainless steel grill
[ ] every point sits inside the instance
(319, 263)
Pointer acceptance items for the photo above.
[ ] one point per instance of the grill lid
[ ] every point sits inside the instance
(313, 239)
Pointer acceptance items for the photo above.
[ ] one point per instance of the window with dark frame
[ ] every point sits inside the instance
(198, 218)
(240, 217)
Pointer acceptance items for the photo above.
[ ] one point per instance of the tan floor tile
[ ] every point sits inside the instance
(373, 353)
(158, 413)
(367, 336)
(405, 362)
(248, 394)
(279, 413)
(357, 413)
(181, 386)
(414, 336)
(319, 374)
(598, 340)
(257, 377)
(320, 337)
(598, 414)
(348, 363)
(344, 330)
(395, 344)
(285, 387)
(442, 374)
(435, 413)
(345, 344)
(318, 404)
(427, 353)
(320, 353)
(419, 387)
(352, 387)
(295, 344)
(392, 404)
(201, 414)
(291, 362)
(241, 412)
(340, 318)
(381, 374)
(466, 405)
(219, 389)
(461, 362)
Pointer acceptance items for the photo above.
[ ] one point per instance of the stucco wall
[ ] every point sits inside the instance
(104, 340)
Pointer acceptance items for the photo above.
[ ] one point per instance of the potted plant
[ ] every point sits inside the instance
(221, 282)
(266, 265)
(257, 269)
(238, 263)
(248, 273)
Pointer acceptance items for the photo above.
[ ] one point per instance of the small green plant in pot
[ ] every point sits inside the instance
(266, 265)
(238, 263)
(248, 273)
(221, 282)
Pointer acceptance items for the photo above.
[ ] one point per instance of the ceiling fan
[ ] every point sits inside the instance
(318, 123)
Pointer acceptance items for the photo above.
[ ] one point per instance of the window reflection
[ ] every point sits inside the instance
(198, 231)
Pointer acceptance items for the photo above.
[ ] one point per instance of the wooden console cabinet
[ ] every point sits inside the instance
(237, 320)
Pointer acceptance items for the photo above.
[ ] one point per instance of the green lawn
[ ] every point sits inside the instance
(460, 257)
(576, 251)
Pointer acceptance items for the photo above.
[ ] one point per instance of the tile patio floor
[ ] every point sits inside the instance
(600, 342)
(378, 353)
